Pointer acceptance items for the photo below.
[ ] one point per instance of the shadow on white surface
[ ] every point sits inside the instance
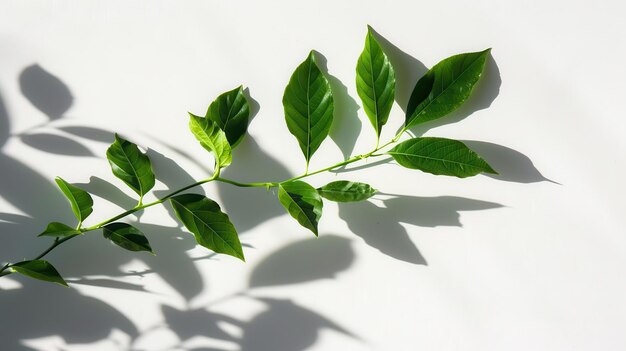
(40, 309)
(282, 325)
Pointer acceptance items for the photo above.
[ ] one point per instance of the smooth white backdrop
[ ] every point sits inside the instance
(531, 259)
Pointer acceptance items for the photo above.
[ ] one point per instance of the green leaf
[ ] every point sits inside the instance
(231, 111)
(346, 191)
(80, 200)
(445, 87)
(212, 138)
(308, 103)
(59, 230)
(130, 165)
(375, 82)
(126, 236)
(440, 156)
(39, 269)
(303, 203)
(211, 227)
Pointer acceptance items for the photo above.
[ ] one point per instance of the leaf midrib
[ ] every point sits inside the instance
(432, 158)
(207, 225)
(298, 206)
(446, 89)
(133, 168)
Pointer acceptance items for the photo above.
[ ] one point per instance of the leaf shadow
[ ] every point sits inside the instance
(512, 165)
(55, 144)
(304, 261)
(45, 91)
(105, 190)
(90, 133)
(408, 70)
(380, 227)
(286, 326)
(41, 309)
(346, 126)
(249, 207)
(5, 126)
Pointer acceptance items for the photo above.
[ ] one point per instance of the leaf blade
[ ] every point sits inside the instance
(127, 237)
(375, 82)
(80, 200)
(40, 270)
(309, 106)
(212, 138)
(58, 229)
(346, 191)
(302, 202)
(210, 226)
(130, 165)
(231, 112)
(440, 156)
(445, 87)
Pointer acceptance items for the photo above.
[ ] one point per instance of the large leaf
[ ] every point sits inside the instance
(231, 111)
(80, 200)
(440, 156)
(212, 138)
(130, 165)
(126, 236)
(211, 227)
(375, 82)
(445, 87)
(346, 191)
(308, 103)
(59, 230)
(39, 269)
(303, 203)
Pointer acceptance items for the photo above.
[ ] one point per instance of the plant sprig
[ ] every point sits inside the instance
(309, 112)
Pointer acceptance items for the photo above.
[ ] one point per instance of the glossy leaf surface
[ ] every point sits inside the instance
(79, 199)
(440, 156)
(212, 138)
(211, 227)
(130, 165)
(126, 236)
(231, 111)
(346, 191)
(375, 82)
(308, 103)
(303, 203)
(58, 229)
(445, 87)
(39, 269)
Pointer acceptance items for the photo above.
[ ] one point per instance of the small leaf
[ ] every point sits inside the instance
(211, 227)
(308, 103)
(59, 230)
(303, 203)
(346, 191)
(445, 87)
(39, 269)
(231, 111)
(130, 165)
(375, 82)
(80, 200)
(126, 236)
(212, 138)
(440, 156)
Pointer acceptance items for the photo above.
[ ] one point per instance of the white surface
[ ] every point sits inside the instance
(513, 263)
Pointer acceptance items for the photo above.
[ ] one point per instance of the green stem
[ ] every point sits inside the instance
(216, 176)
(59, 241)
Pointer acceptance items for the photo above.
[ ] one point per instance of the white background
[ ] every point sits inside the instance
(533, 259)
